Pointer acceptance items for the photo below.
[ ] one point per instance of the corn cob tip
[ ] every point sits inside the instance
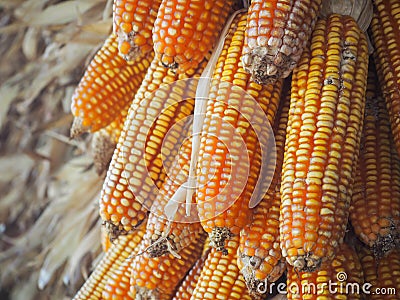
(218, 236)
(127, 47)
(250, 265)
(266, 68)
(385, 243)
(77, 128)
(143, 293)
(162, 246)
(103, 147)
(306, 263)
(113, 230)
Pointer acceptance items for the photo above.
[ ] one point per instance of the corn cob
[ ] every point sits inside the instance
(186, 288)
(223, 204)
(171, 233)
(220, 277)
(158, 278)
(383, 275)
(133, 21)
(185, 30)
(322, 143)
(106, 88)
(113, 258)
(157, 108)
(259, 254)
(375, 206)
(277, 32)
(118, 283)
(344, 272)
(386, 40)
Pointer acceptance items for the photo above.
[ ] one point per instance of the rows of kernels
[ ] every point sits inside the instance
(133, 22)
(185, 30)
(323, 135)
(386, 40)
(106, 88)
(375, 205)
(276, 34)
(225, 127)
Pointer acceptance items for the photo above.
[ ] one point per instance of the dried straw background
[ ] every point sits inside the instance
(49, 225)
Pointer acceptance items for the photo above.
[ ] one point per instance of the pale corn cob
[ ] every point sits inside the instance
(322, 143)
(171, 233)
(115, 256)
(137, 168)
(276, 34)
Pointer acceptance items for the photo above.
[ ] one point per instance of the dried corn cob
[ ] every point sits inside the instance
(133, 21)
(277, 32)
(259, 255)
(186, 288)
(220, 277)
(386, 40)
(117, 254)
(227, 175)
(322, 144)
(383, 275)
(170, 233)
(185, 30)
(375, 205)
(106, 88)
(344, 272)
(137, 168)
(158, 278)
(118, 283)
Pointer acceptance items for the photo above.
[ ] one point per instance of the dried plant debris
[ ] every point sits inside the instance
(49, 226)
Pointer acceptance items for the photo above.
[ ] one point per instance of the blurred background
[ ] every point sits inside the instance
(49, 224)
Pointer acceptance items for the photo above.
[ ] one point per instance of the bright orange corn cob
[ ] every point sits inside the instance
(386, 40)
(133, 21)
(344, 273)
(375, 205)
(259, 255)
(115, 256)
(277, 32)
(158, 277)
(170, 234)
(220, 277)
(226, 174)
(322, 143)
(383, 275)
(186, 288)
(185, 30)
(106, 88)
(136, 170)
